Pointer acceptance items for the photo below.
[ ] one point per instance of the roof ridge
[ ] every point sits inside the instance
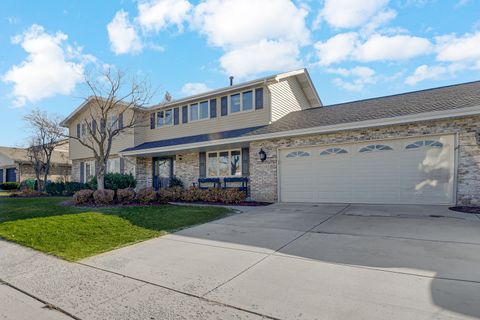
(398, 94)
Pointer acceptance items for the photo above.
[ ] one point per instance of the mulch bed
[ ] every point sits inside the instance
(466, 209)
(68, 203)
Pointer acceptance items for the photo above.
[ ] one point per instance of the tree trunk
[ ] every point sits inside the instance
(101, 181)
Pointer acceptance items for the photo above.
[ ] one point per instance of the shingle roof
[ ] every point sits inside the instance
(193, 139)
(430, 100)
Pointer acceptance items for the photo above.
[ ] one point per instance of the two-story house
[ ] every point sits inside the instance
(413, 148)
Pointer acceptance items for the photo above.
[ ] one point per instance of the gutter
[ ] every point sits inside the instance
(426, 116)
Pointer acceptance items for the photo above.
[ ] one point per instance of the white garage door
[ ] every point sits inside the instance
(407, 171)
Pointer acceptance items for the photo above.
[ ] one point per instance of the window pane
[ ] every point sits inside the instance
(168, 117)
(235, 103)
(160, 119)
(235, 163)
(212, 165)
(194, 112)
(223, 164)
(204, 110)
(247, 98)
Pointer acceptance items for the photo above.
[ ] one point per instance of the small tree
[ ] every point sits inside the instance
(46, 133)
(111, 95)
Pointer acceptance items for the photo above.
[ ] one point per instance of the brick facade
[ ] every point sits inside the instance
(263, 175)
(187, 168)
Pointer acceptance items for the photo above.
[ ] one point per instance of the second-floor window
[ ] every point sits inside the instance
(244, 101)
(164, 118)
(199, 111)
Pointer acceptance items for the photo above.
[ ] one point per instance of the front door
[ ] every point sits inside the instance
(162, 173)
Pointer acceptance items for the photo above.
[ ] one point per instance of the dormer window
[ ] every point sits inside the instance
(247, 101)
(235, 103)
(241, 101)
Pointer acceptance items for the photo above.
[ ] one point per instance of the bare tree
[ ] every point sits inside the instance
(46, 133)
(112, 94)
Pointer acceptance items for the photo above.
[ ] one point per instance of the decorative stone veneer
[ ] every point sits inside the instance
(143, 172)
(187, 168)
(263, 175)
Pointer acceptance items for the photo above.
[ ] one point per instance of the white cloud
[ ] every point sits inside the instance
(156, 15)
(234, 23)
(192, 88)
(399, 47)
(49, 69)
(336, 49)
(265, 56)
(122, 34)
(256, 35)
(348, 46)
(350, 14)
(361, 76)
(425, 72)
(459, 49)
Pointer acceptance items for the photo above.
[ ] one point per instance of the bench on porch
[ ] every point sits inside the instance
(241, 183)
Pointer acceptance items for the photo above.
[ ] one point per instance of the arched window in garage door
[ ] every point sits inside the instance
(424, 143)
(298, 154)
(375, 148)
(331, 151)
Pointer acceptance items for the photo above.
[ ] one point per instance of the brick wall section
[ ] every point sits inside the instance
(76, 170)
(263, 176)
(187, 168)
(143, 172)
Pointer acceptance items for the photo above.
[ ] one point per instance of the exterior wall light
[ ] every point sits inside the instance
(262, 154)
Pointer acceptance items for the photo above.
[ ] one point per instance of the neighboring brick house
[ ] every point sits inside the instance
(15, 165)
(413, 148)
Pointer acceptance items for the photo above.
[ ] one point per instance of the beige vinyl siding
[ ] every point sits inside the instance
(287, 96)
(232, 121)
(123, 141)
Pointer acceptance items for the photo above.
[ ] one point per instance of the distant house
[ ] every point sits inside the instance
(15, 165)
(412, 148)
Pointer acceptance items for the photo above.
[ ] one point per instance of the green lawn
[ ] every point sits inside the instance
(75, 233)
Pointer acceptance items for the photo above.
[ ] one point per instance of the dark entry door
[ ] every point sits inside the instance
(162, 173)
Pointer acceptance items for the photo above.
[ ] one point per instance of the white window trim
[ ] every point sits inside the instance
(109, 161)
(157, 126)
(229, 162)
(198, 104)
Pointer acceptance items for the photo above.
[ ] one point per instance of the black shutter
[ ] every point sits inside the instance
(94, 126)
(202, 164)
(176, 116)
(78, 130)
(103, 125)
(120, 121)
(184, 114)
(224, 106)
(122, 165)
(152, 120)
(82, 171)
(213, 108)
(259, 98)
(245, 162)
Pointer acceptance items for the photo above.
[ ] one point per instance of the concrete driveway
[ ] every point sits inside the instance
(285, 261)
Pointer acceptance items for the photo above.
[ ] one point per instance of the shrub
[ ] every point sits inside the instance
(125, 195)
(115, 181)
(170, 194)
(28, 184)
(55, 188)
(83, 197)
(147, 195)
(27, 193)
(193, 194)
(72, 187)
(176, 183)
(9, 186)
(233, 196)
(102, 197)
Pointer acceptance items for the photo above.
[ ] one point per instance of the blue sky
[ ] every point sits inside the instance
(352, 49)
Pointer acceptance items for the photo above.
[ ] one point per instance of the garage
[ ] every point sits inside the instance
(418, 170)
